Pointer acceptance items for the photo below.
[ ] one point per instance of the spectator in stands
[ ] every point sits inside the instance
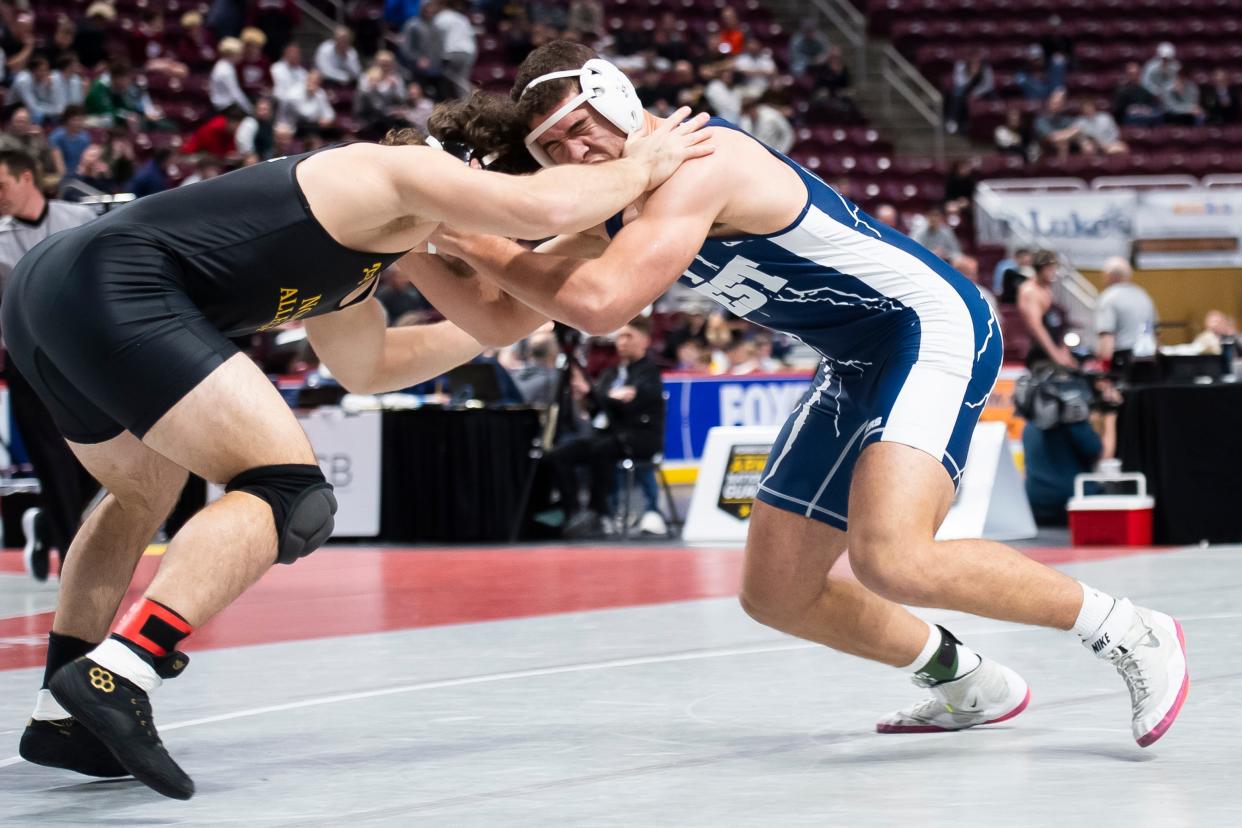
(254, 136)
(420, 48)
(740, 355)
(459, 49)
(1222, 101)
(277, 19)
(551, 13)
(1098, 132)
(887, 214)
(308, 106)
(972, 80)
(732, 38)
(381, 90)
(834, 79)
(91, 39)
(959, 186)
(151, 176)
(767, 123)
(40, 90)
(723, 94)
(337, 59)
(28, 136)
(418, 106)
(1125, 318)
(1216, 326)
(284, 140)
(1056, 47)
(207, 166)
(808, 47)
(218, 136)
(1133, 104)
(938, 237)
(764, 348)
(76, 82)
(1055, 128)
(288, 74)
(691, 358)
(18, 42)
(1010, 272)
(628, 405)
(756, 67)
(60, 48)
(225, 18)
(255, 68)
(1160, 71)
(670, 41)
(92, 177)
(538, 379)
(225, 87)
(116, 98)
(1181, 103)
(690, 91)
(1045, 319)
(586, 17)
(70, 139)
(151, 48)
(1039, 80)
(194, 45)
(1054, 456)
(1013, 136)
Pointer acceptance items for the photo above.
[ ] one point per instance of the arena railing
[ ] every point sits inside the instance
(996, 225)
(852, 26)
(1146, 182)
(315, 11)
(1222, 181)
(900, 75)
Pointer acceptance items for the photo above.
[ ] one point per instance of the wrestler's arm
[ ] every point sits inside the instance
(646, 257)
(563, 199)
(479, 307)
(368, 357)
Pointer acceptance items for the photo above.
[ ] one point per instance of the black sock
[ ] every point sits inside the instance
(62, 649)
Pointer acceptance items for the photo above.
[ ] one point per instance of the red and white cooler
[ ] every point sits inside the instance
(1111, 519)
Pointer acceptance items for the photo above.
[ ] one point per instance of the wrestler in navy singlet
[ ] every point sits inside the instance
(910, 348)
(116, 320)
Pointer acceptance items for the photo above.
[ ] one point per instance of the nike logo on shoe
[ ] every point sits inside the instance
(1099, 645)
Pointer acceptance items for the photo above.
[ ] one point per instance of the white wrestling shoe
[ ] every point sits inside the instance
(1149, 651)
(988, 694)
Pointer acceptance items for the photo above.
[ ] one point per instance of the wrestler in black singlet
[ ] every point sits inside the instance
(117, 320)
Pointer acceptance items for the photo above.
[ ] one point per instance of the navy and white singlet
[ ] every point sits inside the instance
(909, 347)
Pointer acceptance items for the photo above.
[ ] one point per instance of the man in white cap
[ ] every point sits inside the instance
(1161, 71)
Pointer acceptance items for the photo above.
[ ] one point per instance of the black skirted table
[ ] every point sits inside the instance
(452, 475)
(1187, 439)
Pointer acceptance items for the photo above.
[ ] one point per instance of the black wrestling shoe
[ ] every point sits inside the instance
(64, 743)
(119, 713)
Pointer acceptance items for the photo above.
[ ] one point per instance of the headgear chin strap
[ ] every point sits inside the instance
(605, 88)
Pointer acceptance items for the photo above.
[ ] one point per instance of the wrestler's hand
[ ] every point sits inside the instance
(673, 142)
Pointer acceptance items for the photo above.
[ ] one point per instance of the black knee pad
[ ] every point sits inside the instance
(302, 505)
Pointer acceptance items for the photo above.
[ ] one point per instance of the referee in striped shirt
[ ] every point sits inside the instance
(27, 218)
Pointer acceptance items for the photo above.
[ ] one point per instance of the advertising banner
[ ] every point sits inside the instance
(1186, 229)
(696, 404)
(1086, 226)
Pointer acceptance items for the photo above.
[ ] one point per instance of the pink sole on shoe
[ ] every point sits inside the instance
(1167, 722)
(887, 728)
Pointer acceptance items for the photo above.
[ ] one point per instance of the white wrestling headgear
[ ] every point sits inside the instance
(605, 87)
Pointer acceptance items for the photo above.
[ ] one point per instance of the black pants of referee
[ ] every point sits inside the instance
(66, 486)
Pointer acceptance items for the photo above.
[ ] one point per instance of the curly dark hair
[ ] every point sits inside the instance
(556, 56)
(403, 137)
(487, 124)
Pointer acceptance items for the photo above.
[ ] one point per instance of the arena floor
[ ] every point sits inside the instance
(610, 686)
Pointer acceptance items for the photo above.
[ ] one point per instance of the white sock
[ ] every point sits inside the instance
(115, 656)
(1096, 606)
(47, 709)
(929, 650)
